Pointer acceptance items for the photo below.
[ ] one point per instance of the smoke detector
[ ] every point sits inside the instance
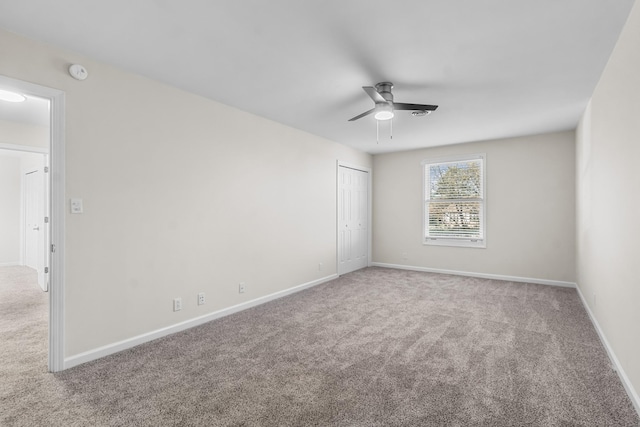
(78, 72)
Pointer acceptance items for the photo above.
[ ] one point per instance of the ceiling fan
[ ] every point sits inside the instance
(385, 107)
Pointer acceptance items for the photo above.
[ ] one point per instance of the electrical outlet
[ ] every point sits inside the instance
(201, 299)
(241, 288)
(177, 304)
(320, 267)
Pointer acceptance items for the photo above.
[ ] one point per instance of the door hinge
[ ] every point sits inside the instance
(46, 169)
(53, 248)
(46, 220)
(46, 270)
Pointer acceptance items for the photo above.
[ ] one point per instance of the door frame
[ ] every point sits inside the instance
(369, 173)
(56, 178)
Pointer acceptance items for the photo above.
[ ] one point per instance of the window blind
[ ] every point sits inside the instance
(454, 200)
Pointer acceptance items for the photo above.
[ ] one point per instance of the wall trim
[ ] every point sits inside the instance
(479, 275)
(116, 347)
(626, 382)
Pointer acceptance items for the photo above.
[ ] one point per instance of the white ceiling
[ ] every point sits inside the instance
(496, 68)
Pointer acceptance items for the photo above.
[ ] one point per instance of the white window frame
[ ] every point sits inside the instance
(454, 241)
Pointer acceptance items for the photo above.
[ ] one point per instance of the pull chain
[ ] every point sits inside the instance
(378, 130)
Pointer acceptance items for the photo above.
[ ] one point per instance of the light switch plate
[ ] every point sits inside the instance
(76, 206)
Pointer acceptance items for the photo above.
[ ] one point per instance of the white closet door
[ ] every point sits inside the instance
(353, 216)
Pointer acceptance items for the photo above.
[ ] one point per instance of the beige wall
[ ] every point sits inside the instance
(181, 195)
(530, 209)
(608, 202)
(9, 209)
(24, 134)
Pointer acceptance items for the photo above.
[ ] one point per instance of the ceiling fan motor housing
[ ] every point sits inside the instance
(384, 89)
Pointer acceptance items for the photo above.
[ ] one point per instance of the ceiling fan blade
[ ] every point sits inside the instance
(416, 107)
(373, 93)
(359, 116)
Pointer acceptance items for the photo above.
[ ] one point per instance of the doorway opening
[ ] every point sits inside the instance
(32, 218)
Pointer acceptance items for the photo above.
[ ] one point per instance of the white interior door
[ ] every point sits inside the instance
(34, 224)
(353, 219)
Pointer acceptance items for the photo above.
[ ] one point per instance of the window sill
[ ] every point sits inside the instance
(480, 244)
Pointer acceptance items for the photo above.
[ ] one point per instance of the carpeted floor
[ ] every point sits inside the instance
(377, 347)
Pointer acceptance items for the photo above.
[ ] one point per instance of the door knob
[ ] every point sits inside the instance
(36, 228)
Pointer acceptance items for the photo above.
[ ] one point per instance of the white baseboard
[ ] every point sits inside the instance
(106, 350)
(633, 395)
(480, 275)
(9, 264)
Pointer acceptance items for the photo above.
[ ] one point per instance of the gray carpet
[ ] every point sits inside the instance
(377, 347)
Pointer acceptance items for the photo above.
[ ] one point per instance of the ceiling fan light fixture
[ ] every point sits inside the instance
(8, 96)
(383, 112)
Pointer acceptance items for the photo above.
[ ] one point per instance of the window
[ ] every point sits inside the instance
(454, 201)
